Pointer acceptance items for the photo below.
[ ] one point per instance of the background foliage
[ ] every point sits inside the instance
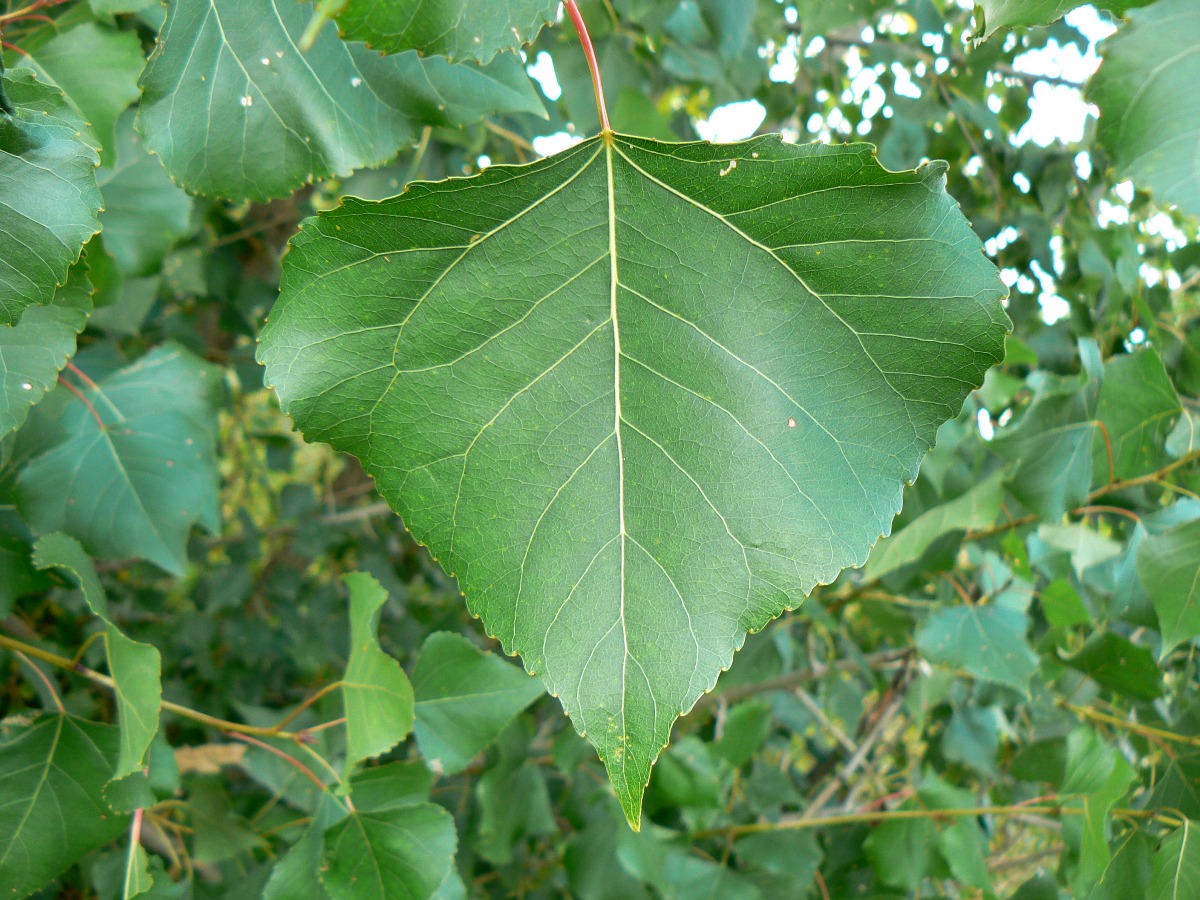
(229, 672)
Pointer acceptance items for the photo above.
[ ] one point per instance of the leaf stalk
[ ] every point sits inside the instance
(590, 52)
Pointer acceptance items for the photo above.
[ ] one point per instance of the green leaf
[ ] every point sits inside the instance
(375, 690)
(48, 194)
(465, 698)
(136, 668)
(1139, 407)
(227, 77)
(1062, 605)
(404, 851)
(993, 15)
(902, 851)
(1051, 447)
(821, 16)
(1149, 110)
(1116, 663)
(977, 508)
(134, 487)
(987, 641)
(458, 29)
(640, 397)
(37, 348)
(144, 212)
(138, 879)
(97, 68)
(1177, 865)
(1168, 565)
(52, 774)
(1129, 870)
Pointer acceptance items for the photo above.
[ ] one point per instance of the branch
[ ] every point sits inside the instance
(857, 818)
(1147, 731)
(789, 680)
(104, 681)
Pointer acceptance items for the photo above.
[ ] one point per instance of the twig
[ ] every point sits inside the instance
(790, 680)
(858, 818)
(1133, 727)
(96, 677)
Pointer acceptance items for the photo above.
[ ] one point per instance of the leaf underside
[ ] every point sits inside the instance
(640, 398)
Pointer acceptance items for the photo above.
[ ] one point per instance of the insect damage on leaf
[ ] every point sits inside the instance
(640, 398)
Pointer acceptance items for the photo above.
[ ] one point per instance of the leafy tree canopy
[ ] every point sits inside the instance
(806, 394)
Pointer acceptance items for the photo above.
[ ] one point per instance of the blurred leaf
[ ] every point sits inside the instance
(377, 694)
(97, 68)
(144, 212)
(1139, 408)
(405, 851)
(977, 508)
(1177, 865)
(987, 641)
(48, 194)
(465, 698)
(289, 118)
(1129, 870)
(458, 29)
(52, 773)
(134, 486)
(1116, 663)
(1169, 567)
(1149, 112)
(997, 14)
(902, 851)
(1062, 605)
(36, 349)
(136, 668)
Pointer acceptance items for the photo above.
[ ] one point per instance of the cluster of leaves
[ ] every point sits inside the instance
(640, 398)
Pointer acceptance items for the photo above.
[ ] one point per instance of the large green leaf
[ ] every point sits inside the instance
(987, 641)
(992, 15)
(36, 349)
(134, 486)
(48, 194)
(375, 690)
(97, 68)
(641, 398)
(52, 773)
(236, 110)
(458, 29)
(136, 668)
(1149, 108)
(1169, 568)
(1177, 865)
(465, 698)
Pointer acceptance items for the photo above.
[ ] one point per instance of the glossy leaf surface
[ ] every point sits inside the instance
(640, 398)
